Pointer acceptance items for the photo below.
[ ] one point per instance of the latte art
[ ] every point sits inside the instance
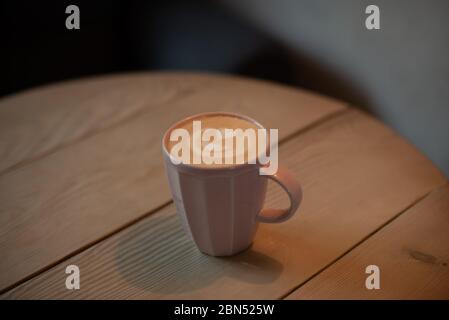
(220, 141)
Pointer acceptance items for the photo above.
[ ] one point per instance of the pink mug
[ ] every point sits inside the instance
(220, 208)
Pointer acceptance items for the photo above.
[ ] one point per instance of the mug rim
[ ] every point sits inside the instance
(191, 167)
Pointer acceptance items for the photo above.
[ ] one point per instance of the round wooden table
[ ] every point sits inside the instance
(82, 183)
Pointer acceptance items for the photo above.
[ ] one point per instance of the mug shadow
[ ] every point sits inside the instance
(159, 257)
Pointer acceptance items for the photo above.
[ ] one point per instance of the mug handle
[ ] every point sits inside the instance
(288, 182)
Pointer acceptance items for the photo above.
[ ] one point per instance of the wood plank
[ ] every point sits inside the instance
(356, 175)
(70, 198)
(412, 253)
(38, 121)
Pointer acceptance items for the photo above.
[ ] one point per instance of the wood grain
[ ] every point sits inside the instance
(412, 253)
(356, 174)
(39, 121)
(105, 169)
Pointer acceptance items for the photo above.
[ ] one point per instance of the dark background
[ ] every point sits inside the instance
(117, 36)
(399, 73)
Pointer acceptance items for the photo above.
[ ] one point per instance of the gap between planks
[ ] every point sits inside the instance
(296, 133)
(183, 93)
(380, 228)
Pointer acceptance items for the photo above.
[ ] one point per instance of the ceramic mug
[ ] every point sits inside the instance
(220, 208)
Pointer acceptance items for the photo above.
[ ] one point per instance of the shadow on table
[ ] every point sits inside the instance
(158, 257)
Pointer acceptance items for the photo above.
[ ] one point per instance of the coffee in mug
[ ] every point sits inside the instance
(218, 164)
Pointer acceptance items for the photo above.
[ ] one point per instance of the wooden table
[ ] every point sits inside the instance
(82, 183)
